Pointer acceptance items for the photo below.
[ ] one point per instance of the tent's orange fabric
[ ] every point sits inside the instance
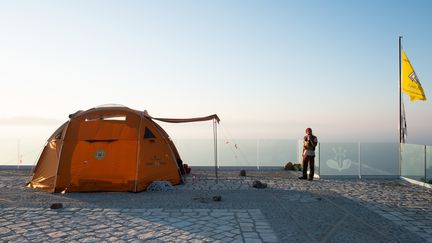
(106, 149)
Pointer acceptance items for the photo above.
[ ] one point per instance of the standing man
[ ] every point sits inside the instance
(309, 144)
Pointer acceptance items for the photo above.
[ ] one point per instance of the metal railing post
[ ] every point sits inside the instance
(319, 159)
(258, 155)
(359, 159)
(425, 174)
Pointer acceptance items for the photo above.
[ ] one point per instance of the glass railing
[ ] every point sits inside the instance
(338, 159)
(429, 164)
(332, 159)
(357, 159)
(379, 159)
(21, 144)
(414, 161)
(245, 152)
(17, 152)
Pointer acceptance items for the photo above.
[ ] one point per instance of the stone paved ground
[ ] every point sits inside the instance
(289, 210)
(120, 224)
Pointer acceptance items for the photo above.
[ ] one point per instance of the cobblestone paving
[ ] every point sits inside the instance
(404, 204)
(289, 210)
(122, 225)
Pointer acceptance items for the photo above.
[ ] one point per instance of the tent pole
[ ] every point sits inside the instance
(215, 148)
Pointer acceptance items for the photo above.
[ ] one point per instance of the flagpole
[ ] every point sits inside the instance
(400, 107)
(400, 90)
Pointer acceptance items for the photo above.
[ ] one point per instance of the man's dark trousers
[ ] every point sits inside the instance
(308, 161)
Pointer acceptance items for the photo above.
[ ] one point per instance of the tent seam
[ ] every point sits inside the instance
(59, 156)
(138, 152)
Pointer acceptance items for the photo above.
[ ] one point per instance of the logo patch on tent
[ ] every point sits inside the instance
(100, 154)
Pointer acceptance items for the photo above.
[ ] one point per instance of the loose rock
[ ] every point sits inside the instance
(288, 166)
(56, 206)
(259, 184)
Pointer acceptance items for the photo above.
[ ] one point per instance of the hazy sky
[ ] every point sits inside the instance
(269, 69)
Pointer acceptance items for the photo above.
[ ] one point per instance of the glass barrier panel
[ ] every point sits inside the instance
(338, 159)
(276, 152)
(429, 164)
(200, 152)
(413, 161)
(9, 152)
(21, 144)
(379, 159)
(299, 151)
(243, 152)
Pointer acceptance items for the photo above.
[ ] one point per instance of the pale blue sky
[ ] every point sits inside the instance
(269, 69)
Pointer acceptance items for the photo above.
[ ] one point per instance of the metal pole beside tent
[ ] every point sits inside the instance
(213, 117)
(215, 148)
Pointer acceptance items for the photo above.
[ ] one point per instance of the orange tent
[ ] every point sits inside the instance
(108, 148)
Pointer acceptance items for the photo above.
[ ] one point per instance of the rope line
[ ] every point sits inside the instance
(235, 147)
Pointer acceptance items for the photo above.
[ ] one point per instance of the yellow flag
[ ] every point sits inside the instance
(410, 83)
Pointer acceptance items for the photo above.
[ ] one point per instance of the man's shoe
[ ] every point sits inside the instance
(310, 179)
(302, 178)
